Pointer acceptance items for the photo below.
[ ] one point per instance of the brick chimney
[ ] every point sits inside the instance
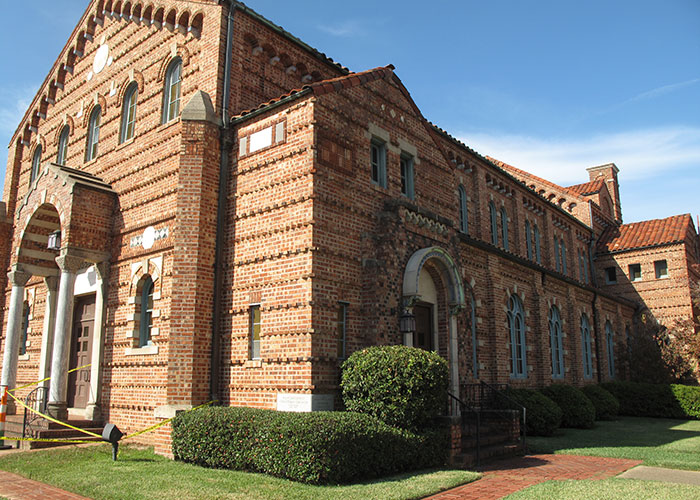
(609, 173)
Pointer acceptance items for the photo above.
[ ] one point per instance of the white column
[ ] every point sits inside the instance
(69, 266)
(93, 411)
(14, 324)
(49, 325)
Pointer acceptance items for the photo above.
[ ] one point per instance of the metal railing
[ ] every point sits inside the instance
(467, 408)
(37, 399)
(495, 395)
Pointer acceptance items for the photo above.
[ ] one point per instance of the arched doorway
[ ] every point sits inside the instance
(433, 295)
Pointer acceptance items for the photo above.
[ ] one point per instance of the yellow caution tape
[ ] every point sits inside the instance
(47, 417)
(47, 378)
(160, 424)
(42, 440)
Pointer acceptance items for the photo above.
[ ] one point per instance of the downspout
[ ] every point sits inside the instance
(225, 143)
(595, 333)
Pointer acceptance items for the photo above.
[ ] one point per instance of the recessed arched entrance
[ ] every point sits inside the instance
(65, 222)
(433, 295)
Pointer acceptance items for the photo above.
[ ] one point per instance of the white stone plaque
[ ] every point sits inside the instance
(101, 58)
(304, 402)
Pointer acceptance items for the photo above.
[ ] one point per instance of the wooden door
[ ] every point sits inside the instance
(81, 351)
(423, 337)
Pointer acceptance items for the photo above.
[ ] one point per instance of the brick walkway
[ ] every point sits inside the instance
(17, 487)
(508, 476)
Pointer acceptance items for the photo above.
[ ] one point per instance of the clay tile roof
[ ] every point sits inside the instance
(648, 233)
(327, 86)
(587, 188)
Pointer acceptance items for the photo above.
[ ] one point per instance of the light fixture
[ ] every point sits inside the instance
(54, 240)
(407, 322)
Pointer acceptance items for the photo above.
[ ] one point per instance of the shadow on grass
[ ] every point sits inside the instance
(622, 433)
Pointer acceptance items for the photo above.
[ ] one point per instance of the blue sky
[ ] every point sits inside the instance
(552, 87)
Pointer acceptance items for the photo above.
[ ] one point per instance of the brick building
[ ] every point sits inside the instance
(198, 206)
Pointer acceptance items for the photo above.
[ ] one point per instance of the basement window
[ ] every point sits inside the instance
(635, 271)
(661, 269)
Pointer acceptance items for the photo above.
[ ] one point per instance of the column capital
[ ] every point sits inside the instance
(70, 263)
(51, 282)
(102, 269)
(18, 277)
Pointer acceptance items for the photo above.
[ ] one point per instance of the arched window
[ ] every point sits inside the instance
(36, 164)
(528, 239)
(556, 342)
(129, 113)
(611, 348)
(586, 347)
(516, 327)
(504, 227)
(171, 93)
(562, 246)
(93, 137)
(494, 223)
(146, 316)
(25, 329)
(63, 146)
(463, 211)
(538, 253)
(472, 325)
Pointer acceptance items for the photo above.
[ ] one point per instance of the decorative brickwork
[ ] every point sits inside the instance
(313, 256)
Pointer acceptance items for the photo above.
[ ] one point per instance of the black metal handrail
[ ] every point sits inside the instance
(36, 399)
(466, 408)
(500, 393)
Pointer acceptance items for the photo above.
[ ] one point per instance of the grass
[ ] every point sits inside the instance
(141, 474)
(607, 489)
(658, 442)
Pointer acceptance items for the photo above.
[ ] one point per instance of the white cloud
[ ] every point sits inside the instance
(344, 29)
(638, 153)
(666, 89)
(13, 104)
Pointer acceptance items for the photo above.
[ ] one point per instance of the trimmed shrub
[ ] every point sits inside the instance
(402, 386)
(688, 398)
(656, 400)
(607, 407)
(577, 409)
(543, 414)
(317, 448)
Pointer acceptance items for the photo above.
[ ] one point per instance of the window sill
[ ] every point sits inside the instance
(148, 350)
(126, 143)
(253, 363)
(23, 357)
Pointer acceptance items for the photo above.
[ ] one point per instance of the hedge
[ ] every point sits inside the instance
(607, 407)
(403, 386)
(656, 400)
(577, 409)
(317, 448)
(543, 414)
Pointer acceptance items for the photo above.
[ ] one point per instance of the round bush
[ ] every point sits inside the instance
(403, 386)
(577, 409)
(543, 414)
(607, 407)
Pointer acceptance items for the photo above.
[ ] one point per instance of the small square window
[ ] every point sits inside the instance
(610, 275)
(661, 269)
(635, 271)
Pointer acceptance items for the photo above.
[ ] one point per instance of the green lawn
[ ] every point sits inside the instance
(607, 489)
(674, 444)
(140, 474)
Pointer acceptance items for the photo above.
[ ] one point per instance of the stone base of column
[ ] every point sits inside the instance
(93, 412)
(58, 411)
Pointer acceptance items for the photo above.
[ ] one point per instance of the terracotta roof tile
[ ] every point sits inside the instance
(587, 188)
(645, 234)
(330, 85)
